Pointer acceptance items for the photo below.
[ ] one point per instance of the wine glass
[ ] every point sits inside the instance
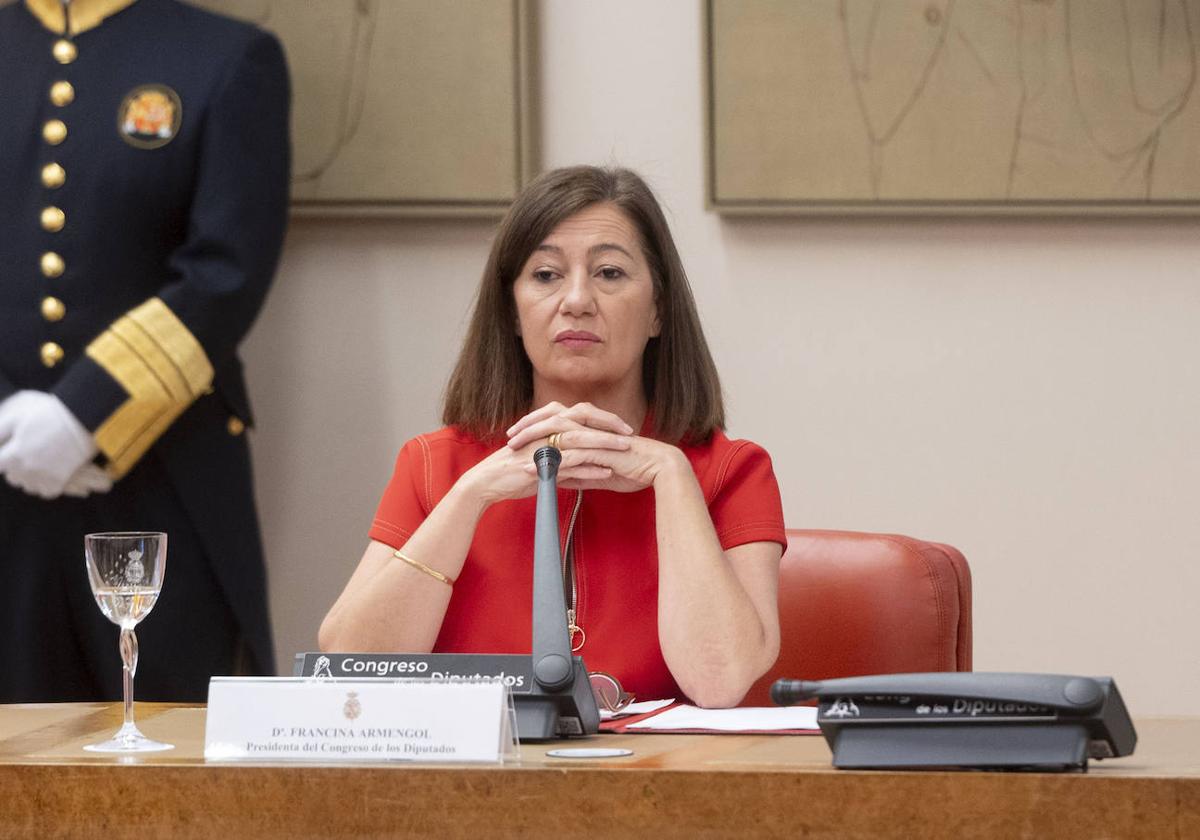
(126, 572)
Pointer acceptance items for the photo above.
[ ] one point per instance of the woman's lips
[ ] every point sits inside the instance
(576, 339)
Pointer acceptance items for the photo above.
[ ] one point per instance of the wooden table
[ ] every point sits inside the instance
(672, 786)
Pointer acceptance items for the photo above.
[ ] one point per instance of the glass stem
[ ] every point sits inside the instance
(129, 656)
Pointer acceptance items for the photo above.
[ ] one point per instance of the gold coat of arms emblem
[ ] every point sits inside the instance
(149, 116)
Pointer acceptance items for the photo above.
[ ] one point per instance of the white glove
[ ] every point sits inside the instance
(88, 479)
(42, 444)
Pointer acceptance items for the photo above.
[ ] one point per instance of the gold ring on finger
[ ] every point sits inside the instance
(555, 440)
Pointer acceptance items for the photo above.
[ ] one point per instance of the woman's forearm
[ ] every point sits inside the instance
(713, 634)
(389, 605)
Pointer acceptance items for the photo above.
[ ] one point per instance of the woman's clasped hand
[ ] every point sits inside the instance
(600, 451)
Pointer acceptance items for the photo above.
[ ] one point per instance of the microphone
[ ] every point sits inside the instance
(547, 460)
(790, 692)
(552, 663)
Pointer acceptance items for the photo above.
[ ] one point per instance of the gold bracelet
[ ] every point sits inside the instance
(419, 566)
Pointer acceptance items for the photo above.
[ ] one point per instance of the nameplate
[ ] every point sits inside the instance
(336, 720)
(514, 670)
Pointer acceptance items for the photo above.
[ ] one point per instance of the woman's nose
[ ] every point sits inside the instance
(578, 297)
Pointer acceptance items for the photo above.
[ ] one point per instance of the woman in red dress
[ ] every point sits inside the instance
(585, 335)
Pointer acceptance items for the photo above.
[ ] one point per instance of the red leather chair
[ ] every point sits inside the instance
(853, 603)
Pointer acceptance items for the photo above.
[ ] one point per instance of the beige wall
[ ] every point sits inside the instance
(1025, 390)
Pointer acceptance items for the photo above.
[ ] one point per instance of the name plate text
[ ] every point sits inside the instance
(335, 720)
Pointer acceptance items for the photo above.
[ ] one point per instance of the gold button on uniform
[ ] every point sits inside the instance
(62, 93)
(52, 264)
(53, 309)
(53, 219)
(52, 354)
(235, 426)
(64, 51)
(54, 132)
(53, 176)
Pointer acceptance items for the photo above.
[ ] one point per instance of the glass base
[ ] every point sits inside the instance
(128, 740)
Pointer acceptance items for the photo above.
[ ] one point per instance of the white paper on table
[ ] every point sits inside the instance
(750, 718)
(637, 709)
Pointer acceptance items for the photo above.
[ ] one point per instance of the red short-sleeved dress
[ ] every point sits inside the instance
(616, 553)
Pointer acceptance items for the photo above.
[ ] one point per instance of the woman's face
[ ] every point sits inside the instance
(585, 304)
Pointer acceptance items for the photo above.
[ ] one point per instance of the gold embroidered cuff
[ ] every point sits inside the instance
(421, 567)
(161, 366)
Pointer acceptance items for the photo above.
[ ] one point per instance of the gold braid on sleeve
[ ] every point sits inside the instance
(162, 368)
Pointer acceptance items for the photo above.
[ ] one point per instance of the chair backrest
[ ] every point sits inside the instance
(853, 603)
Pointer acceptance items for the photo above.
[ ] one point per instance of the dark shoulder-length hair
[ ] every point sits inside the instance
(492, 383)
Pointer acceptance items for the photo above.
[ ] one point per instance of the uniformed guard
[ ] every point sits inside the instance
(144, 166)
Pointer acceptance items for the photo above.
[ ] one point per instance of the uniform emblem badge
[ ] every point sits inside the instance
(149, 116)
(353, 707)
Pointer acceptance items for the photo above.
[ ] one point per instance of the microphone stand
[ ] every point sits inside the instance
(561, 702)
(552, 666)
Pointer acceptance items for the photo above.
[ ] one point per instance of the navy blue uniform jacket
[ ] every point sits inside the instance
(130, 269)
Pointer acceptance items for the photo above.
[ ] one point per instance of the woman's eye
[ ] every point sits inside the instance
(544, 275)
(611, 273)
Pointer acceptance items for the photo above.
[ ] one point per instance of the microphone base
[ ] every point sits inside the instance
(1041, 747)
(570, 712)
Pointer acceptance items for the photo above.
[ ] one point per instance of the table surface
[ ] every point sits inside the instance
(672, 785)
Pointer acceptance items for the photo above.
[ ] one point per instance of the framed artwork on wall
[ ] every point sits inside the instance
(1026, 107)
(405, 107)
